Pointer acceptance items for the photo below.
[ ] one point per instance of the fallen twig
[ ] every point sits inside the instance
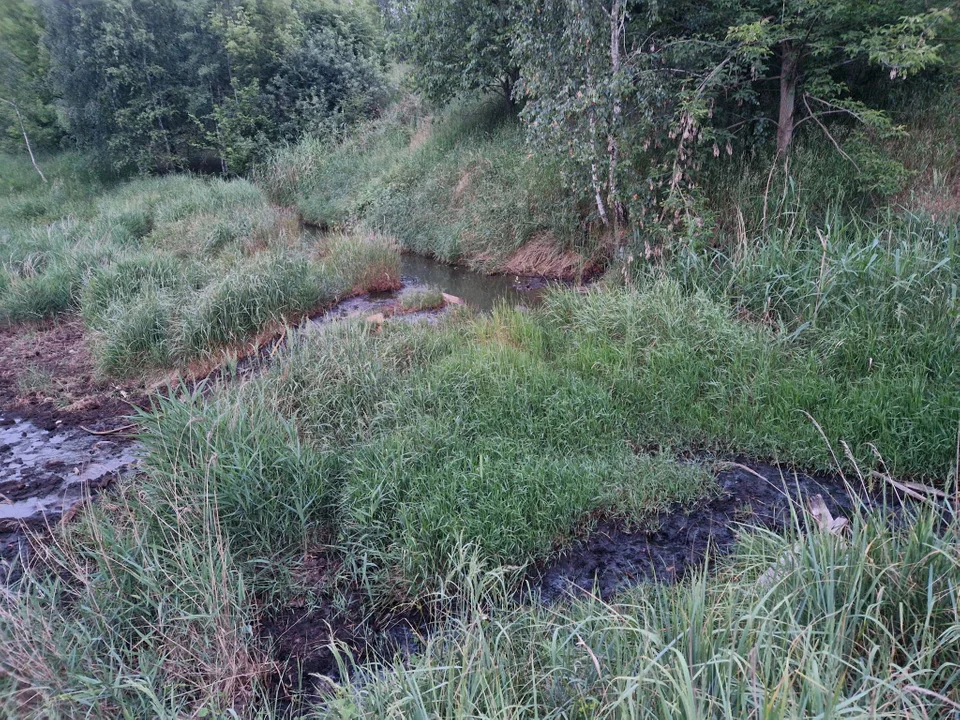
(108, 432)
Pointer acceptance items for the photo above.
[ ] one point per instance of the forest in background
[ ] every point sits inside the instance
(357, 517)
(636, 102)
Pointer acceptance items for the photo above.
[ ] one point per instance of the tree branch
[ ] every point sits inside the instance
(26, 139)
(827, 133)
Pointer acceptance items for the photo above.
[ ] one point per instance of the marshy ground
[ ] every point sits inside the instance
(350, 518)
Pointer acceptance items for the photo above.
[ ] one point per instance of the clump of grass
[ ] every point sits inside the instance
(420, 301)
(247, 298)
(837, 634)
(365, 262)
(136, 333)
(154, 595)
(35, 297)
(36, 380)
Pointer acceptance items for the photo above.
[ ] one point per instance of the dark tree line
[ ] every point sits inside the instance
(635, 94)
(163, 84)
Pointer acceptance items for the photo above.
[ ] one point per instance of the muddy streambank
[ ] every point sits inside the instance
(611, 558)
(44, 474)
(750, 494)
(53, 404)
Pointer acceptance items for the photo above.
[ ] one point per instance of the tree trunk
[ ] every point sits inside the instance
(617, 21)
(789, 62)
(23, 129)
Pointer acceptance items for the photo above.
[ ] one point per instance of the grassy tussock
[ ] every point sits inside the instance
(168, 270)
(145, 613)
(429, 299)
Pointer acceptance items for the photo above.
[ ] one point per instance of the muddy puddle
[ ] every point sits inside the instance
(672, 543)
(46, 472)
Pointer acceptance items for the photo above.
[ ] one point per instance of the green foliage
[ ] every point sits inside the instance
(171, 84)
(639, 99)
(168, 270)
(24, 66)
(462, 46)
(460, 186)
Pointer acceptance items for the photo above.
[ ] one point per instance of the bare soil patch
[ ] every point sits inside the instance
(49, 377)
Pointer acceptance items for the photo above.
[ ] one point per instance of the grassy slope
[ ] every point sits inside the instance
(461, 186)
(431, 461)
(167, 270)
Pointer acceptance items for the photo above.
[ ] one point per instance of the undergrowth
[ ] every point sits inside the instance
(865, 626)
(459, 185)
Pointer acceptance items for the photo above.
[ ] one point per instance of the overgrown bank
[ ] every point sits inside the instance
(169, 270)
(460, 185)
(410, 460)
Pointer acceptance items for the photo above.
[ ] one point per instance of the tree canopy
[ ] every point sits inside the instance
(159, 84)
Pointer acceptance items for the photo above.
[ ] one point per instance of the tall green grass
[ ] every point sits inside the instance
(460, 185)
(416, 457)
(865, 626)
(168, 270)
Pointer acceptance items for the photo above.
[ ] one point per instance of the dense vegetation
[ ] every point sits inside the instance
(168, 270)
(768, 197)
(174, 83)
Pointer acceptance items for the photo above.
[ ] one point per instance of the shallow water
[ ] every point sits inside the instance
(483, 292)
(44, 473)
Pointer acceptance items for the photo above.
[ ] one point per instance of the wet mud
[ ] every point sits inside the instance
(615, 557)
(46, 472)
(612, 558)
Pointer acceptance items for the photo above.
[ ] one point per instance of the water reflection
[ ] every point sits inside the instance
(477, 290)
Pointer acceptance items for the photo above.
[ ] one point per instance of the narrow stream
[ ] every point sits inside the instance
(46, 472)
(480, 291)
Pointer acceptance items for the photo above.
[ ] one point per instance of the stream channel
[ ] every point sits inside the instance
(46, 471)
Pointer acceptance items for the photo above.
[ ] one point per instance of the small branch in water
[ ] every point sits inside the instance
(108, 432)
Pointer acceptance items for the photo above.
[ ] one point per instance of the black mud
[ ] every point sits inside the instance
(613, 557)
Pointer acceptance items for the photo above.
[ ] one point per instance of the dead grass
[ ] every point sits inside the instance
(542, 256)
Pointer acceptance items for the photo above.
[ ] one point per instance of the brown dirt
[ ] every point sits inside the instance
(48, 376)
(422, 133)
(541, 256)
